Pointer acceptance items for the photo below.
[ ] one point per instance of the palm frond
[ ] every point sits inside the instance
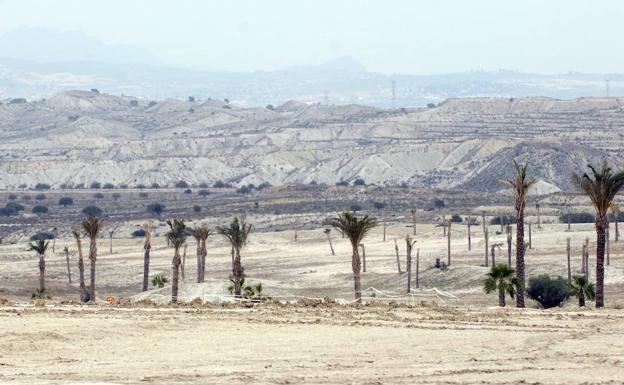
(236, 233)
(354, 227)
(176, 236)
(39, 246)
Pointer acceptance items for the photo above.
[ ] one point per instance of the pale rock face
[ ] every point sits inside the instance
(81, 136)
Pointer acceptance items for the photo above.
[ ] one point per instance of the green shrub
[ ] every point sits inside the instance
(548, 291)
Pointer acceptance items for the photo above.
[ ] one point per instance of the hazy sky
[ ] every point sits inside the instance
(389, 36)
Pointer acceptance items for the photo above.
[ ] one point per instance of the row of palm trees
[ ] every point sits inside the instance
(601, 186)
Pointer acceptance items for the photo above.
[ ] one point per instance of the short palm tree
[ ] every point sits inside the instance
(354, 228)
(159, 280)
(176, 238)
(40, 246)
(520, 185)
(237, 234)
(601, 186)
(84, 296)
(201, 233)
(501, 278)
(583, 289)
(91, 228)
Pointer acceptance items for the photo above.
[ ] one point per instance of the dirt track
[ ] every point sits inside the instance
(296, 345)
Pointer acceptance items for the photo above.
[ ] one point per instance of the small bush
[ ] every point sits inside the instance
(188, 191)
(108, 186)
(355, 208)
(42, 235)
(92, 211)
(221, 184)
(40, 209)
(359, 182)
(159, 280)
(143, 194)
(438, 203)
(196, 209)
(456, 218)
(95, 185)
(154, 185)
(98, 196)
(203, 193)
(42, 186)
(155, 208)
(504, 219)
(243, 190)
(40, 197)
(116, 196)
(181, 184)
(12, 197)
(548, 291)
(378, 205)
(26, 198)
(342, 183)
(138, 233)
(140, 186)
(577, 218)
(66, 201)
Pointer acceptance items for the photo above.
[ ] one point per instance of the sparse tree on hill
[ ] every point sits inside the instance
(91, 228)
(355, 229)
(40, 246)
(84, 296)
(237, 234)
(201, 233)
(176, 238)
(583, 289)
(601, 186)
(520, 185)
(501, 278)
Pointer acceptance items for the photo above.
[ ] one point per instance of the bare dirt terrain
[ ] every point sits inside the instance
(296, 345)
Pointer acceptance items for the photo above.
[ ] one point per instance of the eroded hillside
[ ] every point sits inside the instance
(80, 137)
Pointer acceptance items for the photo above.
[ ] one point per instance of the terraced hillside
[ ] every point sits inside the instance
(79, 137)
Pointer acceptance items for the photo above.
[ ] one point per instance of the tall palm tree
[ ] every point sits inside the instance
(40, 246)
(601, 186)
(501, 278)
(520, 185)
(176, 238)
(237, 234)
(84, 296)
(355, 229)
(201, 233)
(148, 227)
(583, 289)
(91, 228)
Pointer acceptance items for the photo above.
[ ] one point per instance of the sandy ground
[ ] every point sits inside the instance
(441, 340)
(295, 345)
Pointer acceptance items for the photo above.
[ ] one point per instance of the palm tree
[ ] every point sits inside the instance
(601, 187)
(201, 233)
(148, 227)
(520, 186)
(236, 233)
(331, 247)
(84, 296)
(355, 229)
(501, 278)
(583, 289)
(615, 209)
(176, 238)
(40, 246)
(91, 228)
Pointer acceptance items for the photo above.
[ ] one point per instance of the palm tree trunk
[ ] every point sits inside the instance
(414, 221)
(41, 274)
(363, 258)
(408, 248)
(68, 268)
(520, 257)
(509, 235)
(448, 247)
(184, 262)
(331, 247)
(175, 275)
(83, 288)
(469, 243)
(486, 247)
(501, 297)
(600, 253)
(199, 261)
(384, 226)
(232, 253)
(608, 245)
(203, 261)
(238, 273)
(417, 268)
(568, 253)
(530, 238)
(581, 297)
(493, 255)
(92, 258)
(146, 260)
(355, 265)
(617, 231)
(111, 244)
(396, 249)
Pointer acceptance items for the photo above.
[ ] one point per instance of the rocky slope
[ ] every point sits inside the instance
(80, 137)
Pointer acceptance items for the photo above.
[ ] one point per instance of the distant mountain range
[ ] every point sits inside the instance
(37, 63)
